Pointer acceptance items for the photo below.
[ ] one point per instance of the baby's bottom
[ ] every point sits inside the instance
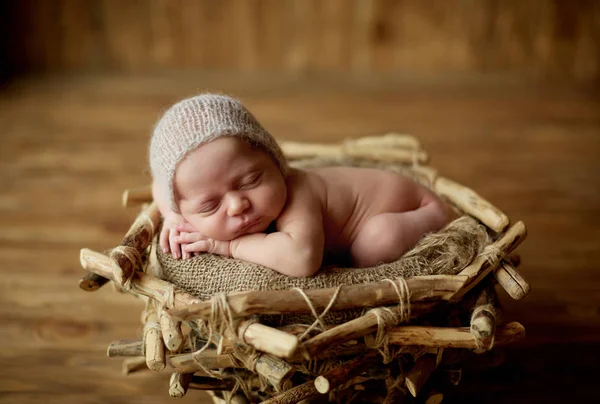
(387, 236)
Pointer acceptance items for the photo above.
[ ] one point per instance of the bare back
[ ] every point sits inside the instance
(350, 196)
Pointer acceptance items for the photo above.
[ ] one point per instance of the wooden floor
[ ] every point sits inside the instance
(69, 146)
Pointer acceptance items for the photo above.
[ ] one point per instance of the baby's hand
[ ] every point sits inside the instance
(169, 234)
(194, 242)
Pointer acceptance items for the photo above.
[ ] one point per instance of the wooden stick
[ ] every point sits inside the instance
(350, 330)
(226, 346)
(141, 284)
(178, 384)
(340, 351)
(261, 337)
(139, 236)
(210, 383)
(339, 375)
(227, 383)
(473, 204)
(322, 385)
(133, 364)
(386, 155)
(154, 347)
(334, 377)
(268, 339)
(275, 370)
(244, 304)
(125, 347)
(483, 318)
(297, 150)
(451, 337)
(420, 373)
(388, 140)
(143, 229)
(294, 150)
(208, 359)
(137, 196)
(91, 282)
(511, 281)
(171, 331)
(434, 397)
(482, 264)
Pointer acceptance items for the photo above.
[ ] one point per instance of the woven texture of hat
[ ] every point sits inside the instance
(194, 121)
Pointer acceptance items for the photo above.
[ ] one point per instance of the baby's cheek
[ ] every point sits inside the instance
(214, 227)
(273, 200)
(198, 223)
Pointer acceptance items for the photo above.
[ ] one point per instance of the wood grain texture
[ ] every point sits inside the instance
(550, 39)
(71, 145)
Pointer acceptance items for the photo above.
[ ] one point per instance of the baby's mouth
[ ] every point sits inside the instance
(249, 224)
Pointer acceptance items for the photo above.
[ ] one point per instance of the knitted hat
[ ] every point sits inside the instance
(194, 121)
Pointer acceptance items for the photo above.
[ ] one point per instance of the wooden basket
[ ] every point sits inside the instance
(452, 319)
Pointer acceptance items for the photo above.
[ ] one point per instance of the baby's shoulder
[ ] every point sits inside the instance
(304, 197)
(305, 184)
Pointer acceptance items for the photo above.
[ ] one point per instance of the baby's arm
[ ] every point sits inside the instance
(296, 249)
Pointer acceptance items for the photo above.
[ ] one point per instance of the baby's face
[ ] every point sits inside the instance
(226, 189)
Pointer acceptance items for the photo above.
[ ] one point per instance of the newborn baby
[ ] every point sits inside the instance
(221, 181)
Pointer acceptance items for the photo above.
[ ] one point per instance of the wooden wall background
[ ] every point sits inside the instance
(557, 39)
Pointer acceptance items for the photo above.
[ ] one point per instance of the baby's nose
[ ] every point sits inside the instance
(237, 205)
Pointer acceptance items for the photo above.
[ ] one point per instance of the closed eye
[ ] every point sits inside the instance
(251, 181)
(209, 207)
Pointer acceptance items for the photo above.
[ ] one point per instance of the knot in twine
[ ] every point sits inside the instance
(493, 255)
(220, 324)
(388, 317)
(133, 256)
(318, 317)
(221, 318)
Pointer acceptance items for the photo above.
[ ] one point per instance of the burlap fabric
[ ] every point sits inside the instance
(445, 252)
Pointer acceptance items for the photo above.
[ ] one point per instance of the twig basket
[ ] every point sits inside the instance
(411, 337)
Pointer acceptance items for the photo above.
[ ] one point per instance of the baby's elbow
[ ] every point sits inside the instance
(307, 263)
(305, 271)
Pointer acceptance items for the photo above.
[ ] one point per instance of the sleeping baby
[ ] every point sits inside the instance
(223, 187)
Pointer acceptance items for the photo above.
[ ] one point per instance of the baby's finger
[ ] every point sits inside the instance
(198, 246)
(175, 248)
(184, 254)
(189, 237)
(186, 227)
(164, 240)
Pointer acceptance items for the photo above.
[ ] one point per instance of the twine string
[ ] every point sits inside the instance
(318, 318)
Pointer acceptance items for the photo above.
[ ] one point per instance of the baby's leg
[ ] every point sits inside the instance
(387, 236)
